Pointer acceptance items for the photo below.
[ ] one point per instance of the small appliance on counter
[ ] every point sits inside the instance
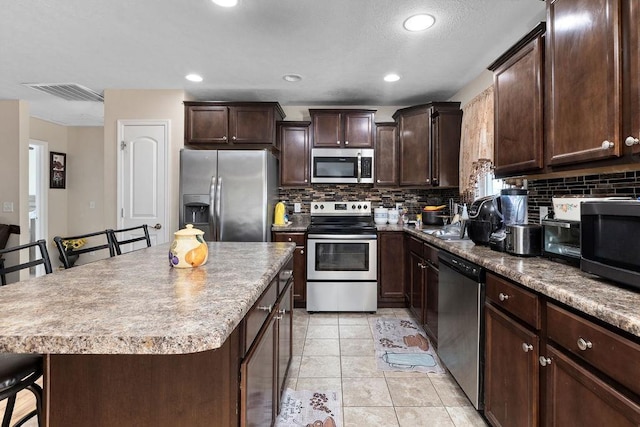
(513, 206)
(484, 219)
(523, 239)
(561, 240)
(498, 240)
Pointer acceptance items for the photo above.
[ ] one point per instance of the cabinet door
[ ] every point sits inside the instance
(386, 158)
(414, 133)
(252, 124)
(358, 129)
(574, 396)
(634, 78)
(327, 129)
(294, 154)
(258, 380)
(518, 134)
(511, 372)
(416, 294)
(390, 268)
(300, 277)
(445, 148)
(431, 303)
(584, 80)
(285, 341)
(206, 125)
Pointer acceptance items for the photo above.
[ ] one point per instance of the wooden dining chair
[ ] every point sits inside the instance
(21, 371)
(44, 259)
(100, 240)
(135, 234)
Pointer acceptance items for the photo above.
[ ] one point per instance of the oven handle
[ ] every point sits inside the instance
(342, 236)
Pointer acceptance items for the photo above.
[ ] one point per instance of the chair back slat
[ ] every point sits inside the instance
(44, 259)
(118, 244)
(65, 254)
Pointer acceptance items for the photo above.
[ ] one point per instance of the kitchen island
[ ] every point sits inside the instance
(131, 341)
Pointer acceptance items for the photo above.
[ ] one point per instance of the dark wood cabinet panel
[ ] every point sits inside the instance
(575, 396)
(519, 107)
(511, 371)
(231, 125)
(299, 265)
(431, 303)
(390, 269)
(386, 158)
(293, 140)
(342, 128)
(416, 296)
(633, 17)
(429, 144)
(584, 75)
(285, 342)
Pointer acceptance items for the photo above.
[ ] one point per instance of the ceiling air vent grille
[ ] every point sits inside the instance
(68, 91)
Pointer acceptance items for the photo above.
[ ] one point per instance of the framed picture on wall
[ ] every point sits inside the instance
(57, 170)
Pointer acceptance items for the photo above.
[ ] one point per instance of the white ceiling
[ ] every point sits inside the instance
(341, 48)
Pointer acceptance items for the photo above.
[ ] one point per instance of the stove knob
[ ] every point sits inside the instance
(321, 206)
(359, 206)
(315, 206)
(353, 206)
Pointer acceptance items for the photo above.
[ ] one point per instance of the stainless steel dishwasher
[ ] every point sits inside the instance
(461, 323)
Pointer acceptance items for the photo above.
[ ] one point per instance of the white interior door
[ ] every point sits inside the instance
(142, 176)
(37, 199)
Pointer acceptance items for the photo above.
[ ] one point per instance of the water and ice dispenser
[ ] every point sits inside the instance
(196, 210)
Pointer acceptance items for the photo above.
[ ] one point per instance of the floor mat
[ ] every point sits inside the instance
(310, 409)
(402, 345)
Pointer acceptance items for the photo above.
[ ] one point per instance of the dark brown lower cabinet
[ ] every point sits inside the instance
(577, 397)
(299, 265)
(511, 371)
(431, 303)
(285, 341)
(416, 283)
(390, 269)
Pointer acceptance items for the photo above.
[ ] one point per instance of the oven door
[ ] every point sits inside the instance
(342, 257)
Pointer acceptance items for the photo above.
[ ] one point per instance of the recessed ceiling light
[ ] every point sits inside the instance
(226, 3)
(419, 22)
(292, 77)
(391, 78)
(193, 78)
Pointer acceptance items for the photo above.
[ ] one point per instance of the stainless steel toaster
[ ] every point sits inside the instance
(524, 239)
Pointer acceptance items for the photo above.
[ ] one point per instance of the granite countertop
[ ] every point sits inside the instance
(137, 304)
(585, 292)
(298, 223)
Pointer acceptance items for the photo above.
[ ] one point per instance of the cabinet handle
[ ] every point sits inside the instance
(277, 317)
(427, 180)
(233, 137)
(346, 143)
(302, 252)
(607, 145)
(503, 297)
(630, 141)
(527, 347)
(544, 361)
(265, 308)
(289, 238)
(305, 180)
(378, 181)
(338, 142)
(584, 344)
(224, 137)
(283, 311)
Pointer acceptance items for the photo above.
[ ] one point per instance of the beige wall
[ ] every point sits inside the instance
(140, 105)
(475, 87)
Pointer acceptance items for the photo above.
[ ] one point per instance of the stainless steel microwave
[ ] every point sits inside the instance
(342, 166)
(609, 244)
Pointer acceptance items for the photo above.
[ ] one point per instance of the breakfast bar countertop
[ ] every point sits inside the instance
(137, 304)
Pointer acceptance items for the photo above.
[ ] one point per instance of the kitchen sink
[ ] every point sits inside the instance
(449, 232)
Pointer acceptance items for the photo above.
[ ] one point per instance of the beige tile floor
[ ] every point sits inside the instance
(335, 351)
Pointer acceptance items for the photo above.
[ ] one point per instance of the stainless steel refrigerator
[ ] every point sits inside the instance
(229, 194)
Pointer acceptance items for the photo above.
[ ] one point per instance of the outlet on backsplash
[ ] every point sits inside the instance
(544, 212)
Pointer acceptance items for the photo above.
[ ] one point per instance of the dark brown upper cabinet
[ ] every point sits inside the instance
(519, 106)
(429, 144)
(342, 128)
(584, 80)
(632, 136)
(231, 125)
(293, 141)
(386, 157)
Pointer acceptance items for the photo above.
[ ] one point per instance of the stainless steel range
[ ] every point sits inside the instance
(342, 258)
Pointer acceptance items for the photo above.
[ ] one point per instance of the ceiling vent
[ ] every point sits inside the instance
(68, 91)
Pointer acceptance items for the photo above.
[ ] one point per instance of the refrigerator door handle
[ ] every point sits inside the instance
(218, 208)
(212, 207)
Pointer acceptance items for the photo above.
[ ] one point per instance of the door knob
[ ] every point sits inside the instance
(526, 347)
(606, 145)
(584, 344)
(544, 361)
(157, 226)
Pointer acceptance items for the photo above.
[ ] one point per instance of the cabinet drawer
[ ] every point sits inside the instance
(521, 303)
(297, 238)
(607, 351)
(430, 254)
(257, 315)
(415, 245)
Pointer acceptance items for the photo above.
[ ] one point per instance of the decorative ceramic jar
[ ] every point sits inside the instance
(188, 248)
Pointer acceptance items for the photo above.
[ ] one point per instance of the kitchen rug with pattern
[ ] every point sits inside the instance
(402, 345)
(307, 408)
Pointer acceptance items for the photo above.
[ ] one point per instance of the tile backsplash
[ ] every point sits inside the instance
(606, 184)
(412, 199)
